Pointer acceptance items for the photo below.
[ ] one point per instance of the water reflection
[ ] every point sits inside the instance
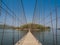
(48, 36)
(8, 36)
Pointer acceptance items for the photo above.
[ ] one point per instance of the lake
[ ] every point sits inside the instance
(47, 39)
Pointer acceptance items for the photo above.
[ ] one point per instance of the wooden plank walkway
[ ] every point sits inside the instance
(28, 39)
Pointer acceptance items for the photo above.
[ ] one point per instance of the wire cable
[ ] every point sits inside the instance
(3, 28)
(56, 20)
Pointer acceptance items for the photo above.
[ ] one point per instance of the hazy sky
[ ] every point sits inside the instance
(43, 7)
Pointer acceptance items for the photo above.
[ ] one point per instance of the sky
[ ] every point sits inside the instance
(43, 8)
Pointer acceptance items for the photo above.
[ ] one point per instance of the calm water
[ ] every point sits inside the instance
(48, 36)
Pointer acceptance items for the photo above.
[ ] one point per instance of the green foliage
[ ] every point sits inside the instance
(35, 26)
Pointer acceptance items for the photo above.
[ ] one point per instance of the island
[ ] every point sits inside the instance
(26, 27)
(34, 27)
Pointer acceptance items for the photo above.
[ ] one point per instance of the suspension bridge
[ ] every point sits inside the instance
(12, 13)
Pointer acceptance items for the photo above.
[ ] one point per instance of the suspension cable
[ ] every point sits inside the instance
(52, 24)
(9, 8)
(56, 19)
(23, 14)
(18, 19)
(14, 22)
(18, 31)
(39, 20)
(43, 13)
(34, 12)
(8, 13)
(33, 19)
(23, 11)
(13, 30)
(18, 22)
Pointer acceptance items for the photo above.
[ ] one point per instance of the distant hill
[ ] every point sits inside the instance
(34, 27)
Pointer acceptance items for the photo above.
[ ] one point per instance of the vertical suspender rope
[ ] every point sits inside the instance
(43, 10)
(34, 12)
(42, 21)
(24, 16)
(0, 6)
(52, 25)
(18, 31)
(39, 21)
(56, 20)
(3, 28)
(33, 19)
(13, 22)
(40, 15)
(36, 16)
(18, 20)
(13, 29)
(14, 19)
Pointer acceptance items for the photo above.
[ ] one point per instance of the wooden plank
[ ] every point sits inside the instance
(28, 39)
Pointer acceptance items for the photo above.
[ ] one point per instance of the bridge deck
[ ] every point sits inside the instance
(28, 39)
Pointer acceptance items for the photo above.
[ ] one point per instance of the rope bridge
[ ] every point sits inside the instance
(8, 16)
